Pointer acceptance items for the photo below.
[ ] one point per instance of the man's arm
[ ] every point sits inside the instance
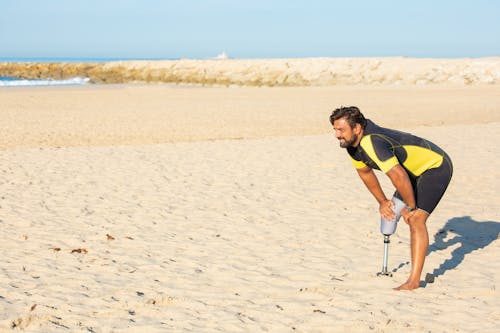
(401, 182)
(368, 177)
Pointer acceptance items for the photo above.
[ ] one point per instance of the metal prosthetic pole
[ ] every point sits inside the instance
(386, 257)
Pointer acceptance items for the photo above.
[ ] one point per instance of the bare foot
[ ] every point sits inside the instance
(408, 286)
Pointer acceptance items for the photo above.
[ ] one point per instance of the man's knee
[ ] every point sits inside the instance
(418, 220)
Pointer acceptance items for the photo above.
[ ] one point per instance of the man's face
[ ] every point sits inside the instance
(346, 135)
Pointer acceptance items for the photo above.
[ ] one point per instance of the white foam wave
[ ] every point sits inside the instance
(12, 82)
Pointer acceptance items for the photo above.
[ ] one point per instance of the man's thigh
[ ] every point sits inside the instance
(430, 186)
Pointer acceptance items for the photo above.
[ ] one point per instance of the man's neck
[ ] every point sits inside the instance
(359, 138)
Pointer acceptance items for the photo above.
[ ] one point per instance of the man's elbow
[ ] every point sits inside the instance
(363, 171)
(397, 174)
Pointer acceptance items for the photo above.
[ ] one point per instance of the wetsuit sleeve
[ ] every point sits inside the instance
(357, 164)
(351, 151)
(380, 151)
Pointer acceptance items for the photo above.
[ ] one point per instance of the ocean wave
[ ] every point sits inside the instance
(6, 81)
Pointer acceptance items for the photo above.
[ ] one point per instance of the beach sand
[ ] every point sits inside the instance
(160, 208)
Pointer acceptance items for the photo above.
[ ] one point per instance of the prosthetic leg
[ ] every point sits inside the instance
(387, 228)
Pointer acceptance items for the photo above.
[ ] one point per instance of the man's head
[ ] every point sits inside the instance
(349, 124)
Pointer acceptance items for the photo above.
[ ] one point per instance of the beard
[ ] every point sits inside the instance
(348, 143)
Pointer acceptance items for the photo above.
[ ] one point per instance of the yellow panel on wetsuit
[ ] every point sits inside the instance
(386, 165)
(421, 159)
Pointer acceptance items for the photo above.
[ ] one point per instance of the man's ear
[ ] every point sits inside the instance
(357, 128)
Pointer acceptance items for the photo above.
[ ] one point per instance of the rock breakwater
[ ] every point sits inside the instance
(271, 72)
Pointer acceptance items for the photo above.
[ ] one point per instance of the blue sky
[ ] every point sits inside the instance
(248, 29)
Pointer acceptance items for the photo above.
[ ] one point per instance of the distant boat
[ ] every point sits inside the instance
(222, 56)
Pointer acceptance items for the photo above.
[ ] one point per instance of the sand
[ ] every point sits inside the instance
(146, 114)
(161, 208)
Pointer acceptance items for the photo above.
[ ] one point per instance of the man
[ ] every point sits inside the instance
(419, 170)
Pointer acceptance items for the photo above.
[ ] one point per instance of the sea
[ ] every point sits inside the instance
(8, 81)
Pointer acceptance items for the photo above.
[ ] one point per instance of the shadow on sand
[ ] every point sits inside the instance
(471, 235)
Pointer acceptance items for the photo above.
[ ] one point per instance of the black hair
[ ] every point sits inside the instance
(351, 114)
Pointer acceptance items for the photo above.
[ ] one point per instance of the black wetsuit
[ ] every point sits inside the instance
(428, 166)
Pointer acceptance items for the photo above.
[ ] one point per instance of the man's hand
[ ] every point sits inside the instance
(407, 216)
(385, 210)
